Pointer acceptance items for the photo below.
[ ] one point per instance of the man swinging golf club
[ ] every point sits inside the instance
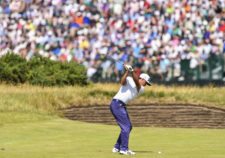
(131, 86)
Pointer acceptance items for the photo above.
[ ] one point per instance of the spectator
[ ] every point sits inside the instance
(153, 35)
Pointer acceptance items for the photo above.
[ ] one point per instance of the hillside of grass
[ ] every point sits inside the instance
(25, 101)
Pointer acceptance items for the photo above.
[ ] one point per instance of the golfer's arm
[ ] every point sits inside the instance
(123, 79)
(136, 80)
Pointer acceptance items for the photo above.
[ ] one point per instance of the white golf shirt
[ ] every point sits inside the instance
(128, 91)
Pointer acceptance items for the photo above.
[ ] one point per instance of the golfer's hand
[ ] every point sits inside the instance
(128, 68)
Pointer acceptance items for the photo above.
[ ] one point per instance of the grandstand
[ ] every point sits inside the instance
(172, 40)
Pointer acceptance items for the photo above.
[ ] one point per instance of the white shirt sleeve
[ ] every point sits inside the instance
(128, 91)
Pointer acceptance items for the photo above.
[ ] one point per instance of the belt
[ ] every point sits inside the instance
(119, 101)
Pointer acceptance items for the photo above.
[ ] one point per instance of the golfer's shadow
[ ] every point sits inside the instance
(143, 151)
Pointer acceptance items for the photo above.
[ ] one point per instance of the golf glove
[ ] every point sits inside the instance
(129, 68)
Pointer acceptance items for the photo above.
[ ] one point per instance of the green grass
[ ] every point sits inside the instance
(60, 138)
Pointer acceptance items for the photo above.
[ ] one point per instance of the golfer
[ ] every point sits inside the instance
(131, 86)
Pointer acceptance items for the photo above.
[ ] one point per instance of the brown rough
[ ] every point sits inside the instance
(152, 115)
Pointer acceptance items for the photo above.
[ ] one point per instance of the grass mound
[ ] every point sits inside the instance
(36, 100)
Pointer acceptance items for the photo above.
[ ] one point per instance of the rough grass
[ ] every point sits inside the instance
(43, 101)
(60, 138)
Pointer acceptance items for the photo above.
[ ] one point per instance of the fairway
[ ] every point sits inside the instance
(61, 138)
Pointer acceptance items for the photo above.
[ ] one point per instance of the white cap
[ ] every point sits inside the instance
(146, 77)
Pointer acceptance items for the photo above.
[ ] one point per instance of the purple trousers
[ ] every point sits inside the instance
(119, 111)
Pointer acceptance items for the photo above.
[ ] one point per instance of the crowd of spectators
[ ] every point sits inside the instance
(153, 35)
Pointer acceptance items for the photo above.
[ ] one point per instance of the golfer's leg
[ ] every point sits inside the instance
(118, 143)
(114, 108)
(125, 125)
(129, 121)
(129, 128)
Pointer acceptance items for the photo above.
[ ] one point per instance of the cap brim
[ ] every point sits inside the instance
(149, 84)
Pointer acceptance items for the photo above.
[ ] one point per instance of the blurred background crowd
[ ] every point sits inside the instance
(169, 39)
